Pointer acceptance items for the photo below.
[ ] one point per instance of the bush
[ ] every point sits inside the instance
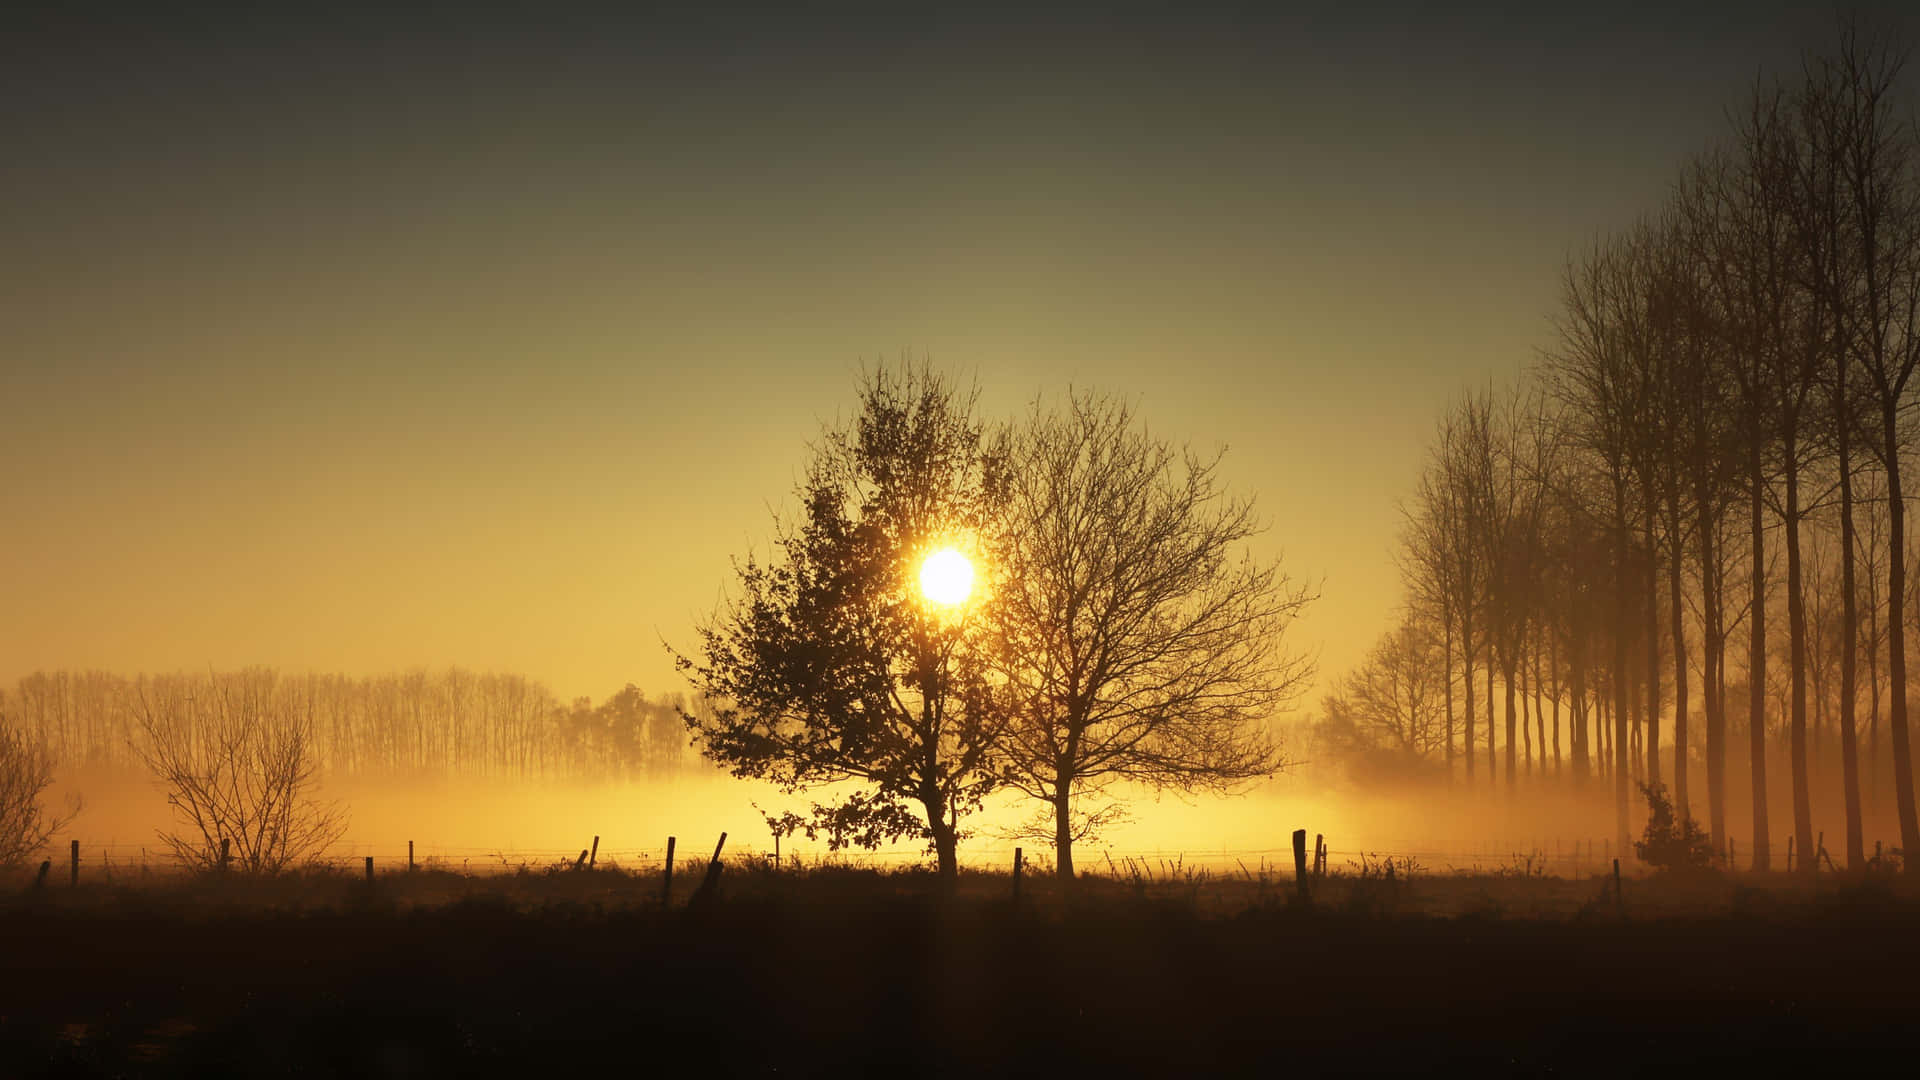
(1668, 844)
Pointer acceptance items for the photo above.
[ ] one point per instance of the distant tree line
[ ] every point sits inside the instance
(1686, 525)
(452, 721)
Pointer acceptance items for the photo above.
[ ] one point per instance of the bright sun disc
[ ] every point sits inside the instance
(946, 577)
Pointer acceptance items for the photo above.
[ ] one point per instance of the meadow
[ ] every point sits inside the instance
(834, 967)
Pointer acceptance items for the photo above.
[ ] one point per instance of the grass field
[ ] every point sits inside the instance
(841, 970)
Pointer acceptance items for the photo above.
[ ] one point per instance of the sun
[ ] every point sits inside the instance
(946, 577)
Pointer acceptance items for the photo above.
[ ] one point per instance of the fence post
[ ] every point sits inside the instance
(708, 893)
(776, 851)
(1016, 875)
(225, 846)
(73, 876)
(1789, 854)
(582, 860)
(369, 868)
(40, 881)
(409, 856)
(1300, 865)
(594, 855)
(666, 884)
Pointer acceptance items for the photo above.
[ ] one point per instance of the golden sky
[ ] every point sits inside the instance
(345, 344)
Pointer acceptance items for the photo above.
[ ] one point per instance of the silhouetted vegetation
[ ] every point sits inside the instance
(453, 722)
(1670, 841)
(1717, 437)
(1138, 641)
(830, 666)
(840, 969)
(26, 771)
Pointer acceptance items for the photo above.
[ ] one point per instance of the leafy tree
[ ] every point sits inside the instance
(1667, 843)
(829, 665)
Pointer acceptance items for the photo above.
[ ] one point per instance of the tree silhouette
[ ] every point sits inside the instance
(1139, 641)
(829, 665)
(26, 771)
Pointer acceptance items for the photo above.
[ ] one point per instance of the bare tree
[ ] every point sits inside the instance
(1138, 639)
(237, 761)
(26, 771)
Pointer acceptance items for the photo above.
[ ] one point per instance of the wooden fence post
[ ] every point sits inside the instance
(225, 846)
(776, 851)
(409, 856)
(666, 884)
(73, 854)
(708, 893)
(582, 860)
(1300, 865)
(1789, 854)
(40, 882)
(369, 868)
(1016, 875)
(594, 855)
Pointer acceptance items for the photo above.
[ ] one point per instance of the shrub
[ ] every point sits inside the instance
(1669, 844)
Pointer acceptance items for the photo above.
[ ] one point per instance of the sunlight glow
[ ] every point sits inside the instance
(946, 577)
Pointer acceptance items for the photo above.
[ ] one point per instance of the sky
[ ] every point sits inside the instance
(353, 342)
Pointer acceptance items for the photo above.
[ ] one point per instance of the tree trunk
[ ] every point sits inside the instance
(1757, 656)
(1063, 831)
(1797, 660)
(1507, 673)
(946, 845)
(1622, 619)
(1577, 736)
(1652, 748)
(1526, 721)
(1553, 665)
(1675, 570)
(1539, 711)
(1849, 629)
(1466, 670)
(1897, 640)
(1713, 650)
(1493, 756)
(1446, 682)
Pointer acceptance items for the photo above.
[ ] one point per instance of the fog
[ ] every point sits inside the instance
(493, 825)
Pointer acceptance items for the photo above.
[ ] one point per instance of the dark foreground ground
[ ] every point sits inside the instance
(868, 974)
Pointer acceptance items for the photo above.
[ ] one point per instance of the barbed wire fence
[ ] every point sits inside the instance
(118, 859)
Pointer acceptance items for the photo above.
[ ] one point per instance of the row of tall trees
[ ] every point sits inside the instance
(453, 721)
(1716, 441)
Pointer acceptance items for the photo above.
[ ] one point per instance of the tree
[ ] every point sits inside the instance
(1388, 717)
(1672, 840)
(1139, 640)
(829, 666)
(26, 771)
(238, 763)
